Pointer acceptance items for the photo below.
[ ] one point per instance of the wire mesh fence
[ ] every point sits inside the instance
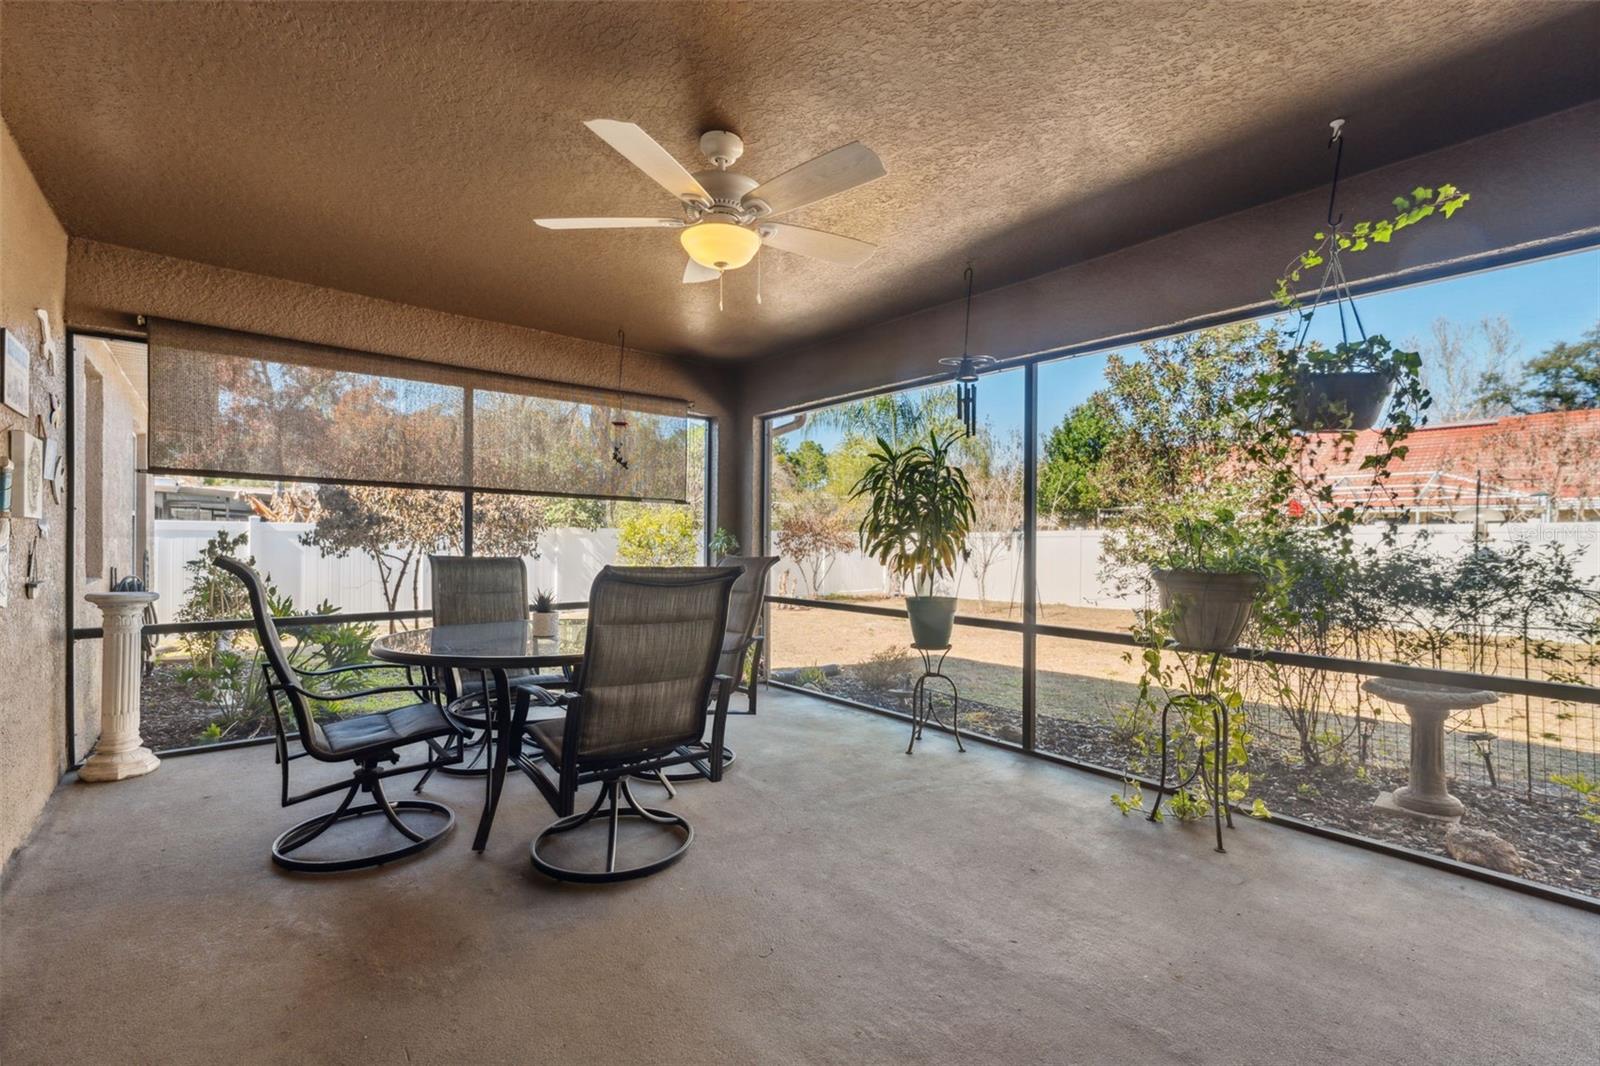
(1322, 749)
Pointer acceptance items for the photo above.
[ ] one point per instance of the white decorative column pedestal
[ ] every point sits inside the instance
(1425, 796)
(120, 753)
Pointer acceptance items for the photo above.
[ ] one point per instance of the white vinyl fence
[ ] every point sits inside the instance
(567, 562)
(1070, 567)
(1071, 571)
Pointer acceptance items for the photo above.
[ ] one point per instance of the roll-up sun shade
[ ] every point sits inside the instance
(239, 405)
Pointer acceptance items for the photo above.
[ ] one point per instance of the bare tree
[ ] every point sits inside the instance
(1457, 360)
(997, 499)
(813, 532)
(395, 528)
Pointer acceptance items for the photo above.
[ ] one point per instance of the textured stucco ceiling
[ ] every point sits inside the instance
(400, 150)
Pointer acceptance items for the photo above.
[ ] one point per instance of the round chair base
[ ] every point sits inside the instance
(475, 766)
(666, 819)
(312, 828)
(691, 774)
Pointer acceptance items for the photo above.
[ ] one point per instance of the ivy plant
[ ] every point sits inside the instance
(1423, 203)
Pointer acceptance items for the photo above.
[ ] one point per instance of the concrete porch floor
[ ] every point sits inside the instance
(841, 903)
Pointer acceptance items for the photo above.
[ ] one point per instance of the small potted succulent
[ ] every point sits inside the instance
(546, 619)
(722, 544)
(1347, 387)
(919, 512)
(1208, 579)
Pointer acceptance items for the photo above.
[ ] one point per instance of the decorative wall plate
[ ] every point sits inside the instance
(14, 366)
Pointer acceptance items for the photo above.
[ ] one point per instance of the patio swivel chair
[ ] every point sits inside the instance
(367, 740)
(744, 615)
(741, 650)
(654, 639)
(469, 590)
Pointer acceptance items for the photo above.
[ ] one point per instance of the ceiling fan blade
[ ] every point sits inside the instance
(640, 149)
(609, 223)
(827, 175)
(694, 273)
(816, 243)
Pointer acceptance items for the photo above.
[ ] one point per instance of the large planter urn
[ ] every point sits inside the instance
(1209, 610)
(120, 752)
(1336, 402)
(932, 620)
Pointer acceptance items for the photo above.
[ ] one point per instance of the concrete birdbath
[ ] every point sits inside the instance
(1425, 796)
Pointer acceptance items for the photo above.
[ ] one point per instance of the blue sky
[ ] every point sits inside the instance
(1545, 301)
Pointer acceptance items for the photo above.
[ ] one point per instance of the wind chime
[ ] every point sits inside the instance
(619, 419)
(968, 368)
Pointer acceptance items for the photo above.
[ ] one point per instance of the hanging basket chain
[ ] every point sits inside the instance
(1334, 271)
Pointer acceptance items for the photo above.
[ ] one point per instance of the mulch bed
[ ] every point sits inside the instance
(174, 717)
(1556, 844)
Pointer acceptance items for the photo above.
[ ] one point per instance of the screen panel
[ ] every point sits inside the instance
(235, 405)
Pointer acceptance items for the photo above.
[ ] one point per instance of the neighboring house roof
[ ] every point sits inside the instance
(1520, 459)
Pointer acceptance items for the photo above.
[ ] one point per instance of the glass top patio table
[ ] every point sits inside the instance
(495, 648)
(485, 646)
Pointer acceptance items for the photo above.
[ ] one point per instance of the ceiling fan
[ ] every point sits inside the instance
(725, 215)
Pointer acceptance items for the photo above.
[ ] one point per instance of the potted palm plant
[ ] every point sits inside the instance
(919, 511)
(546, 619)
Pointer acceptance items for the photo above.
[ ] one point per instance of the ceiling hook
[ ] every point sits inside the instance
(1336, 141)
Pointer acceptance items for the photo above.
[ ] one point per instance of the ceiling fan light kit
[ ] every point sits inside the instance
(724, 224)
(720, 245)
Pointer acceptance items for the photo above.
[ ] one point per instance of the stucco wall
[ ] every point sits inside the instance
(109, 284)
(33, 258)
(1530, 183)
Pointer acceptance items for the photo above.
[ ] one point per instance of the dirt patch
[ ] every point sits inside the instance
(1558, 846)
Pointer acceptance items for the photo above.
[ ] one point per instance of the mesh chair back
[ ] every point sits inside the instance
(468, 590)
(744, 608)
(311, 735)
(654, 637)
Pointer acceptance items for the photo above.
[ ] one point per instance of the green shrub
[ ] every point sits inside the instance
(657, 536)
(884, 669)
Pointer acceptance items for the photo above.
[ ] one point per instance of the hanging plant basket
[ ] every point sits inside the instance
(1340, 400)
(1349, 387)
(1209, 609)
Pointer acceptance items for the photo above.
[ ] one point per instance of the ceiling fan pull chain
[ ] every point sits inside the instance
(720, 273)
(758, 276)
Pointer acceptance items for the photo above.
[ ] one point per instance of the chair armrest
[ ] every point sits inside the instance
(371, 664)
(335, 697)
(564, 700)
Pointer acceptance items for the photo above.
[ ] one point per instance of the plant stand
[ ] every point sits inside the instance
(120, 753)
(1215, 784)
(922, 700)
(1426, 796)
